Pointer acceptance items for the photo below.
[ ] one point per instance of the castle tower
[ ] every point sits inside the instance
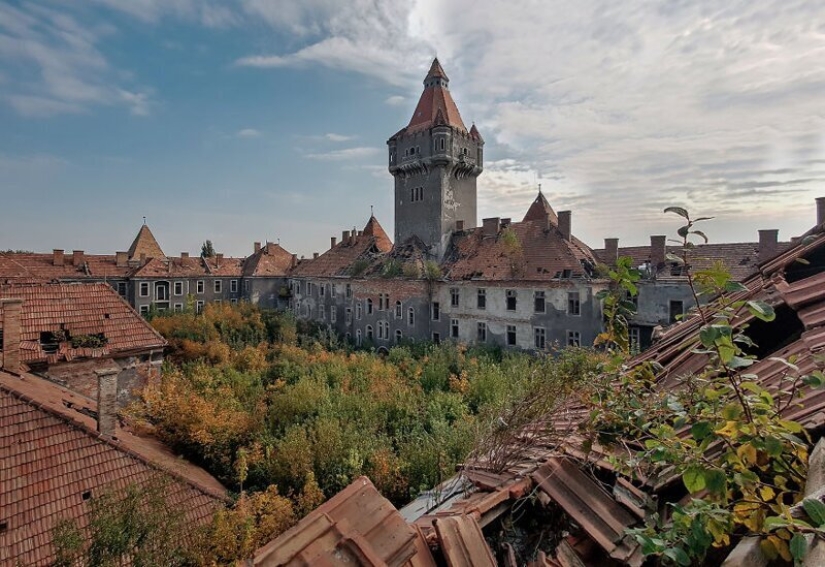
(435, 161)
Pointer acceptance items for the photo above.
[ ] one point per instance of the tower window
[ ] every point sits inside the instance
(442, 143)
(416, 194)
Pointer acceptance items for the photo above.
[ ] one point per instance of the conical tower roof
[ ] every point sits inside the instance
(436, 100)
(541, 210)
(145, 244)
(373, 228)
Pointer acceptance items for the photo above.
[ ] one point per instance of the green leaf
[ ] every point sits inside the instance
(700, 234)
(815, 510)
(813, 380)
(716, 481)
(726, 353)
(677, 555)
(701, 429)
(734, 287)
(773, 522)
(739, 362)
(761, 310)
(798, 546)
(708, 335)
(683, 230)
(700, 219)
(679, 211)
(674, 258)
(694, 479)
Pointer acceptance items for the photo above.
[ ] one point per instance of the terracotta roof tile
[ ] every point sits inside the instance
(191, 267)
(435, 100)
(28, 267)
(270, 260)
(50, 455)
(541, 210)
(145, 245)
(79, 309)
(537, 252)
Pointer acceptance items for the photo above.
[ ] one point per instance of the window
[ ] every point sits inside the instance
(233, 286)
(436, 311)
(161, 291)
(635, 339)
(358, 337)
(481, 299)
(540, 337)
(333, 314)
(441, 144)
(573, 303)
(178, 288)
(121, 288)
(411, 316)
(416, 194)
(233, 300)
(322, 312)
(383, 301)
(454, 297)
(178, 307)
(296, 286)
(370, 336)
(199, 286)
(398, 310)
(677, 308)
(348, 316)
(383, 330)
(511, 335)
(358, 310)
(454, 328)
(539, 305)
(437, 338)
(333, 290)
(198, 306)
(369, 306)
(218, 286)
(349, 291)
(322, 290)
(144, 289)
(398, 336)
(144, 309)
(511, 300)
(574, 338)
(482, 332)
(246, 285)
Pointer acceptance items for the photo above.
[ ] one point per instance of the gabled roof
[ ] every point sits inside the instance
(541, 210)
(534, 250)
(436, 105)
(368, 246)
(78, 309)
(145, 245)
(190, 267)
(31, 267)
(52, 459)
(271, 260)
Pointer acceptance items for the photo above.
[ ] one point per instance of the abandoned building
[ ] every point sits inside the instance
(528, 284)
(63, 446)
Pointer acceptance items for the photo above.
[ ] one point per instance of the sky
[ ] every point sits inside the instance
(266, 120)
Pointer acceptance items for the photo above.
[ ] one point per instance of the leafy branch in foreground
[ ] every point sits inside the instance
(719, 429)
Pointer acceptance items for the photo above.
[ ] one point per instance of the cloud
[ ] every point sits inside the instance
(58, 67)
(248, 133)
(345, 154)
(395, 100)
(332, 137)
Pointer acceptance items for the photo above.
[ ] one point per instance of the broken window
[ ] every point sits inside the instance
(481, 332)
(411, 316)
(398, 336)
(50, 342)
(369, 306)
(399, 311)
(573, 303)
(539, 302)
(540, 337)
(454, 328)
(481, 299)
(511, 335)
(199, 286)
(511, 300)
(436, 311)
(677, 309)
(574, 338)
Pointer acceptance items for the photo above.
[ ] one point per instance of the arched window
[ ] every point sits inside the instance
(411, 316)
(369, 306)
(370, 336)
(398, 337)
(398, 310)
(358, 337)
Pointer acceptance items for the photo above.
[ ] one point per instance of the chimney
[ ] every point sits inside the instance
(121, 259)
(657, 251)
(218, 259)
(77, 258)
(459, 225)
(332, 242)
(184, 255)
(57, 256)
(256, 247)
(106, 402)
(344, 236)
(820, 210)
(768, 240)
(294, 260)
(489, 227)
(11, 309)
(314, 255)
(611, 250)
(505, 223)
(565, 223)
(352, 236)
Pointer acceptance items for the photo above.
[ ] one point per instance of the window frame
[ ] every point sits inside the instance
(539, 295)
(540, 338)
(511, 332)
(511, 295)
(200, 286)
(481, 299)
(144, 286)
(175, 286)
(455, 297)
(574, 304)
(217, 286)
(481, 331)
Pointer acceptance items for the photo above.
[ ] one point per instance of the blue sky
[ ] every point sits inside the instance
(254, 120)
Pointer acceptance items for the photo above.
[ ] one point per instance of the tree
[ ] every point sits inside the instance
(207, 251)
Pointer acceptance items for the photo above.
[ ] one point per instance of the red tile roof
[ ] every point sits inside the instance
(145, 245)
(15, 266)
(51, 454)
(536, 251)
(541, 210)
(436, 105)
(339, 261)
(271, 260)
(79, 309)
(192, 267)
